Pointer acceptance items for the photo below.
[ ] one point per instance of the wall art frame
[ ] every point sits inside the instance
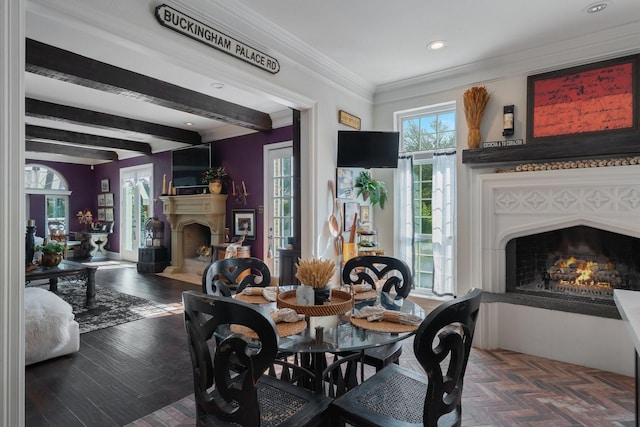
(108, 214)
(104, 185)
(350, 208)
(101, 200)
(244, 223)
(101, 214)
(344, 183)
(108, 200)
(584, 101)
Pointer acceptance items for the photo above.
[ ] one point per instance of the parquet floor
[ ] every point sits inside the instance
(505, 388)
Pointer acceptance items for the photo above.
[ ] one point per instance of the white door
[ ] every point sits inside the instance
(136, 206)
(279, 200)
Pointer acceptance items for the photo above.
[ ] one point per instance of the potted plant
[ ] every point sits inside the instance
(215, 176)
(371, 188)
(51, 253)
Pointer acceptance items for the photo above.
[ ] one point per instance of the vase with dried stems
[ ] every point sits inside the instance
(316, 274)
(475, 101)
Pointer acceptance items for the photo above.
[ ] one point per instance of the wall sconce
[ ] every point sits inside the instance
(508, 120)
(239, 193)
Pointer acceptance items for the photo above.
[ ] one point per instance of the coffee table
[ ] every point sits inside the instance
(67, 270)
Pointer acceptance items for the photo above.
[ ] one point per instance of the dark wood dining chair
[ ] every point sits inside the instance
(226, 395)
(397, 275)
(398, 396)
(222, 275)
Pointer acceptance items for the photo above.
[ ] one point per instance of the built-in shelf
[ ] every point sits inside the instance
(604, 146)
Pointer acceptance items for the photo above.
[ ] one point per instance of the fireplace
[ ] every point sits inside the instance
(575, 264)
(196, 221)
(602, 204)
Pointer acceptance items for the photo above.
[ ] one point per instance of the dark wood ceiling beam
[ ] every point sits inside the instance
(49, 134)
(81, 116)
(66, 150)
(67, 66)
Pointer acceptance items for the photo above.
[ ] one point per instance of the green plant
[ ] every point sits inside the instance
(51, 248)
(213, 173)
(369, 187)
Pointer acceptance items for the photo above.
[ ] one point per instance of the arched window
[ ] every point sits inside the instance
(42, 180)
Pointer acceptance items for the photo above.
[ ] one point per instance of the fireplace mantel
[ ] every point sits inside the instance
(205, 209)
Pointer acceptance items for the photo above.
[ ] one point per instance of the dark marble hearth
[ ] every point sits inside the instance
(580, 305)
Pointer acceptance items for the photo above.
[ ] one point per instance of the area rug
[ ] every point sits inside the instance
(111, 308)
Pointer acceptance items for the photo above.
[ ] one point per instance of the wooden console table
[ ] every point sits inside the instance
(70, 271)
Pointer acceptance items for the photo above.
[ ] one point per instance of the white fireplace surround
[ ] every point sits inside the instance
(205, 209)
(505, 206)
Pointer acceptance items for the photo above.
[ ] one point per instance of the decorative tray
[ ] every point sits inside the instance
(340, 302)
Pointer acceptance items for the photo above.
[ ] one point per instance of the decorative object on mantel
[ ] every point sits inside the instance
(314, 276)
(573, 164)
(215, 176)
(369, 187)
(475, 101)
(504, 143)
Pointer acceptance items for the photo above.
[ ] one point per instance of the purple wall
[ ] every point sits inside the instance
(242, 158)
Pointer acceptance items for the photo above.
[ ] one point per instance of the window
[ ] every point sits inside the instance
(424, 134)
(41, 181)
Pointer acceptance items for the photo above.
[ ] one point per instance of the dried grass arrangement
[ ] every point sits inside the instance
(314, 272)
(475, 101)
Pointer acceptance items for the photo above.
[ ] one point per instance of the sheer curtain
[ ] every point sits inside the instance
(403, 207)
(444, 220)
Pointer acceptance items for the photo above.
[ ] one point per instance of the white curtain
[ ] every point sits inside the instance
(403, 208)
(444, 220)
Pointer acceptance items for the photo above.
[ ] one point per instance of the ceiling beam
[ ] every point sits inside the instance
(86, 153)
(53, 62)
(80, 116)
(49, 134)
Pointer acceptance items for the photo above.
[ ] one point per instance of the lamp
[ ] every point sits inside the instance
(240, 193)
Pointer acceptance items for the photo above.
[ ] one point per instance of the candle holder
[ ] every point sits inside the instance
(240, 194)
(85, 218)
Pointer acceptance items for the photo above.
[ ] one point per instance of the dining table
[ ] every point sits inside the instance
(342, 336)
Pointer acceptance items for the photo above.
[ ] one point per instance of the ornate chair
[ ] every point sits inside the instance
(369, 269)
(399, 396)
(226, 396)
(222, 275)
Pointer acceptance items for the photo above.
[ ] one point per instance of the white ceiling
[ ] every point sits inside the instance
(380, 42)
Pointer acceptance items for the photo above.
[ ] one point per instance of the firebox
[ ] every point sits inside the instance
(578, 263)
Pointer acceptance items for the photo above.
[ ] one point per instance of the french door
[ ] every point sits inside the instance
(136, 206)
(279, 200)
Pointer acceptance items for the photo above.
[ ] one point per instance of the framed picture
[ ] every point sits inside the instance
(364, 213)
(101, 199)
(104, 185)
(108, 199)
(101, 215)
(244, 223)
(108, 214)
(344, 183)
(584, 101)
(350, 209)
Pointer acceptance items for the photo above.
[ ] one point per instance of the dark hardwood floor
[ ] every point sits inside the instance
(121, 373)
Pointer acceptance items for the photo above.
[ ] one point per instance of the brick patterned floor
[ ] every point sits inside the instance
(505, 388)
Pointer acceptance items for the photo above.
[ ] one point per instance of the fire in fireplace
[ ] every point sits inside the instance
(574, 262)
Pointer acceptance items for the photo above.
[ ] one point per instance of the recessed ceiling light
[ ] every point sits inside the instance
(437, 44)
(217, 85)
(596, 7)
(188, 123)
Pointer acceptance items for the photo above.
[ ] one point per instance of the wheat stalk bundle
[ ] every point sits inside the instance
(315, 272)
(475, 101)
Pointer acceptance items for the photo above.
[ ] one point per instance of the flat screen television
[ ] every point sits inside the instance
(187, 165)
(368, 149)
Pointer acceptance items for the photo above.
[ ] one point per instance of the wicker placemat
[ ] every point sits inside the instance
(382, 326)
(284, 329)
(251, 299)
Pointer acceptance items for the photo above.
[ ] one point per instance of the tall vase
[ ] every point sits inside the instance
(473, 139)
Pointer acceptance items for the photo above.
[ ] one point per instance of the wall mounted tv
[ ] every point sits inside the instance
(187, 165)
(368, 149)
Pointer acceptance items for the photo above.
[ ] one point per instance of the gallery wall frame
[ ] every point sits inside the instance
(584, 101)
(101, 214)
(244, 223)
(344, 183)
(101, 199)
(104, 185)
(108, 199)
(108, 214)
(350, 209)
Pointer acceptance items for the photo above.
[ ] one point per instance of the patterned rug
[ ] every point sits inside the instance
(111, 308)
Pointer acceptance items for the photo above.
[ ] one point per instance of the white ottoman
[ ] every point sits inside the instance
(50, 328)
